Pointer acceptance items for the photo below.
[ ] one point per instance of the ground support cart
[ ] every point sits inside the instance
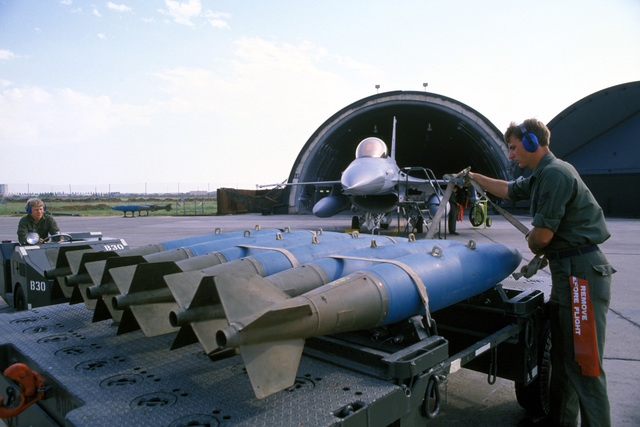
(386, 376)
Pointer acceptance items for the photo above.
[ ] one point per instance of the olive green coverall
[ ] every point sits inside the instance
(561, 202)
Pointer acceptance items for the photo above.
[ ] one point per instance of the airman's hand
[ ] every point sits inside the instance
(463, 177)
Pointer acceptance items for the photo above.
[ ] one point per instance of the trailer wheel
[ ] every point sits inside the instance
(19, 299)
(476, 216)
(535, 398)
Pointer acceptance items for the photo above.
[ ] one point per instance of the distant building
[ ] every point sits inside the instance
(4, 190)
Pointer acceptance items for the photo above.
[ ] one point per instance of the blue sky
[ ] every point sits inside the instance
(193, 95)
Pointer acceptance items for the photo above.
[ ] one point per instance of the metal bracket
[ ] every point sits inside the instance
(32, 389)
(417, 281)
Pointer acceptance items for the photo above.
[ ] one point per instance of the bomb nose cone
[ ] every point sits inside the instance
(361, 179)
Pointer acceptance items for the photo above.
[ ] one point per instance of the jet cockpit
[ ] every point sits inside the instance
(372, 147)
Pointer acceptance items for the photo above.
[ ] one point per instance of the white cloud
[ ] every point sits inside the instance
(97, 13)
(186, 12)
(7, 54)
(262, 70)
(102, 36)
(66, 2)
(269, 95)
(217, 19)
(183, 12)
(33, 116)
(191, 90)
(118, 7)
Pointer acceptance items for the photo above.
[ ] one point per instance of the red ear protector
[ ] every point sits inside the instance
(529, 140)
(44, 208)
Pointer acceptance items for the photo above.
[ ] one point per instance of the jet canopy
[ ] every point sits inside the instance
(371, 147)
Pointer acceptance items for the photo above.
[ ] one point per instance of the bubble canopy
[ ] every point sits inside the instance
(371, 147)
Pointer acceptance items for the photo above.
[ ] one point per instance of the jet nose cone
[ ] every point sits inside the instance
(361, 179)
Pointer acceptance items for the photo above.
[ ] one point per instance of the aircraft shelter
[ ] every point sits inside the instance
(432, 131)
(599, 135)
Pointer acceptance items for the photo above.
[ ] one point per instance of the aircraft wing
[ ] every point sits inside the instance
(286, 184)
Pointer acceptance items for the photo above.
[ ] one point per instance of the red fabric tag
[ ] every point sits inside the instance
(584, 331)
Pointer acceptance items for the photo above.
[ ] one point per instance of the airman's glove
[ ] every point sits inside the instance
(537, 263)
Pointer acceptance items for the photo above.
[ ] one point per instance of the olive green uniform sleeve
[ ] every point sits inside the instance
(550, 199)
(562, 203)
(23, 229)
(520, 189)
(44, 228)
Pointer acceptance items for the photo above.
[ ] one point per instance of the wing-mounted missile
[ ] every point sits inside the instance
(263, 318)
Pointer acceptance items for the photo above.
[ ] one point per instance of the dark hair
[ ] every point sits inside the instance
(539, 129)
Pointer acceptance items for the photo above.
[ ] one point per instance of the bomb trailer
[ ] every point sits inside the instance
(68, 370)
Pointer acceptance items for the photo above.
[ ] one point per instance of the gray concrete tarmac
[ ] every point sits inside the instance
(470, 400)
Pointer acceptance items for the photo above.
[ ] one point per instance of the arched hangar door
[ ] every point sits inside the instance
(432, 131)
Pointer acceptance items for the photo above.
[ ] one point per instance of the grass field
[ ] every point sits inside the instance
(95, 206)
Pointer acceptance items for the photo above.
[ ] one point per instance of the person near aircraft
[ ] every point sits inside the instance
(568, 224)
(36, 220)
(457, 201)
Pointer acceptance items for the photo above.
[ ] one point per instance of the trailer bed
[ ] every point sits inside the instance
(96, 377)
(99, 378)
